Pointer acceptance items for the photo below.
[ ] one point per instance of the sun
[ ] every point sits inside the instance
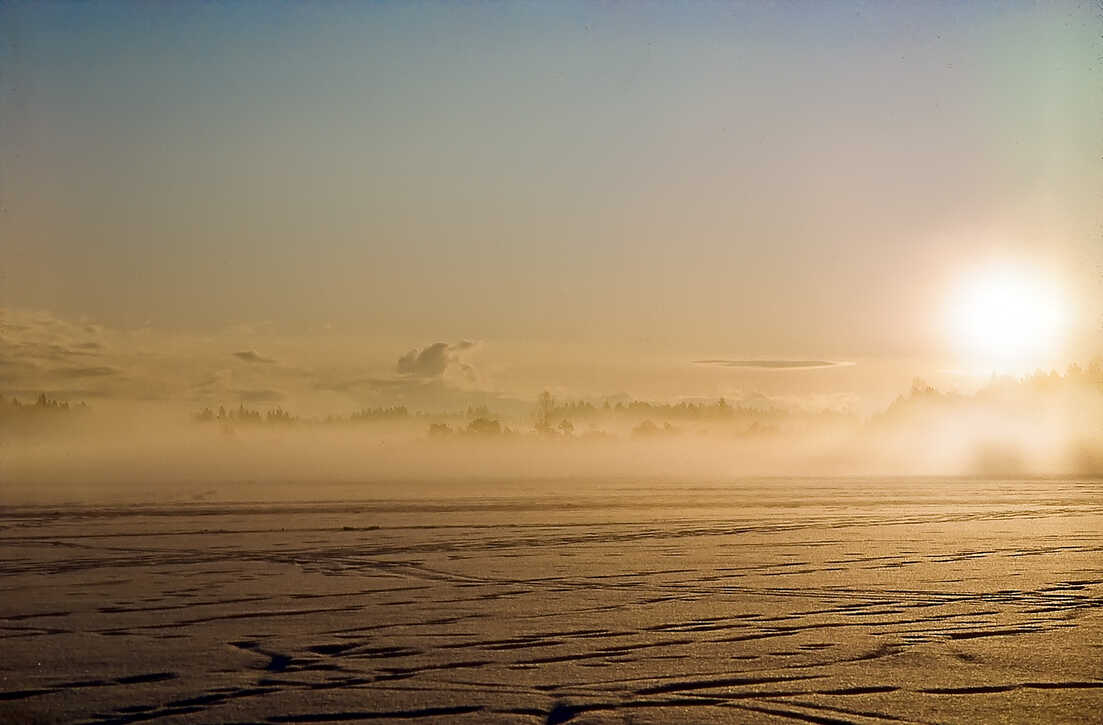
(1007, 317)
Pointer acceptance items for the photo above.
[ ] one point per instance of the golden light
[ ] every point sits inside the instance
(1008, 317)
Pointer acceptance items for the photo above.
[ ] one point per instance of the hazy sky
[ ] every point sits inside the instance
(696, 179)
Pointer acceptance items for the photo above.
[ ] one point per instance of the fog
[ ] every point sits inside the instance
(1041, 425)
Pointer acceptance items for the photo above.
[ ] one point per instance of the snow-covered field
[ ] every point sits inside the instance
(821, 601)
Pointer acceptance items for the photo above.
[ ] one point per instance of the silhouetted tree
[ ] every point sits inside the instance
(484, 426)
(545, 404)
(439, 430)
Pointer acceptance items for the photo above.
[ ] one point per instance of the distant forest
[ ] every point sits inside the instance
(572, 418)
(552, 418)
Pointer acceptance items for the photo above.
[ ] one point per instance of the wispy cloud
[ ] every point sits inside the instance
(259, 396)
(774, 364)
(250, 356)
(94, 371)
(371, 384)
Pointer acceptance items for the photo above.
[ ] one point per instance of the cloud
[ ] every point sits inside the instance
(43, 353)
(39, 352)
(15, 367)
(434, 361)
(60, 393)
(774, 364)
(85, 372)
(259, 396)
(368, 383)
(250, 356)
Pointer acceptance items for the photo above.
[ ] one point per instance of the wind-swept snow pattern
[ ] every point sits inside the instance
(787, 601)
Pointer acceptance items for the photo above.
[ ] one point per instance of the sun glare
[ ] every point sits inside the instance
(1008, 317)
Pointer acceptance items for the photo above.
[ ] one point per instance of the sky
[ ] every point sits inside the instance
(583, 196)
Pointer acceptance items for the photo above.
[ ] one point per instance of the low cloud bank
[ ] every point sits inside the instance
(1042, 425)
(74, 361)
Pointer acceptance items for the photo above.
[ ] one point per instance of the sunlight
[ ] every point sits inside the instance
(1007, 317)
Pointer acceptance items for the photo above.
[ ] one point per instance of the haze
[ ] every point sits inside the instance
(547, 362)
(709, 180)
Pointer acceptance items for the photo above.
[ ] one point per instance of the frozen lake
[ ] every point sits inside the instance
(821, 601)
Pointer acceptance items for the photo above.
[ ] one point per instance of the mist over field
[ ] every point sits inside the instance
(1047, 424)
